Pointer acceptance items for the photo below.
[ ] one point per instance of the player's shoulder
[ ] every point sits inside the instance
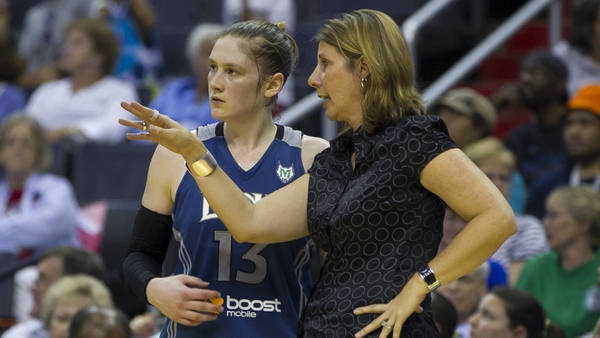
(311, 146)
(317, 144)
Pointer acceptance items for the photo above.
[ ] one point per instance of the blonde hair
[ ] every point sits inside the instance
(491, 149)
(583, 204)
(68, 286)
(389, 91)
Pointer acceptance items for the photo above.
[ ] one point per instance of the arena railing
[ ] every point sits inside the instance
(495, 40)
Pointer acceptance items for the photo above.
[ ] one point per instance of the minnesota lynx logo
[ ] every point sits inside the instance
(285, 174)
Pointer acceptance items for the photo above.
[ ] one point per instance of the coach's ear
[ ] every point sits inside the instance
(363, 68)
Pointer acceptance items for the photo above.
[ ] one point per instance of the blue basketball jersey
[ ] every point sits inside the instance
(264, 287)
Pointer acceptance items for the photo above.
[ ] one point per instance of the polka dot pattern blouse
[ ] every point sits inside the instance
(377, 224)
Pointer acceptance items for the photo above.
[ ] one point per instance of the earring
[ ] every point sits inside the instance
(362, 82)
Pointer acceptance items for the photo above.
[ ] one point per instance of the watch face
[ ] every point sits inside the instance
(427, 275)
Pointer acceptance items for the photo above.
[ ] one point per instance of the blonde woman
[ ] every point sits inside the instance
(498, 163)
(67, 296)
(38, 210)
(564, 277)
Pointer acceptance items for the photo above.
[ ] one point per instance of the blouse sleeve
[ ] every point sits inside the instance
(422, 138)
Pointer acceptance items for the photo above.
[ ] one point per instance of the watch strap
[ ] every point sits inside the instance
(428, 276)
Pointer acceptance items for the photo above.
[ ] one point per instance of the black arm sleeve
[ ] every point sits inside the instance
(147, 250)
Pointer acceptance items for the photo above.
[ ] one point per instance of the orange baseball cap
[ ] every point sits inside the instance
(587, 98)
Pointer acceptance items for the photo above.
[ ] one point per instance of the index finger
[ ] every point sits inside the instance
(208, 306)
(216, 301)
(129, 107)
(205, 295)
(151, 116)
(141, 111)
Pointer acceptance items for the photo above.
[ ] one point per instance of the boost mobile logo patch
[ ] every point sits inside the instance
(248, 308)
(285, 174)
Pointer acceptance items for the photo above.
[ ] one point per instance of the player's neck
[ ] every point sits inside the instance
(248, 146)
(249, 137)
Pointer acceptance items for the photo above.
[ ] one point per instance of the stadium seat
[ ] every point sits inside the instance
(102, 172)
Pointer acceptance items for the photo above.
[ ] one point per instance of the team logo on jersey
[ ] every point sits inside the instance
(285, 174)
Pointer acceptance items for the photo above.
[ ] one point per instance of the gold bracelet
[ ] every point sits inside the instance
(204, 166)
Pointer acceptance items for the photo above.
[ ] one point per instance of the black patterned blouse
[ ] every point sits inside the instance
(377, 224)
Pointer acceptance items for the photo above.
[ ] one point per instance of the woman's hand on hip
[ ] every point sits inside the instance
(394, 314)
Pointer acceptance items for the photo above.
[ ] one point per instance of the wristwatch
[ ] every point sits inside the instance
(428, 276)
(203, 167)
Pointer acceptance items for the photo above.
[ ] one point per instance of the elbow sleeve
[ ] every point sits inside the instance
(147, 250)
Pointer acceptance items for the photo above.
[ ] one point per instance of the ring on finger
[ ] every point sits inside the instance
(144, 126)
(386, 325)
(154, 116)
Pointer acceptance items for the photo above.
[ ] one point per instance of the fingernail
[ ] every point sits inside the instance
(358, 335)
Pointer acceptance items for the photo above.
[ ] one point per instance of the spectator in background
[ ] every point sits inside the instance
(452, 226)
(592, 303)
(147, 324)
(444, 315)
(272, 11)
(99, 322)
(12, 98)
(67, 296)
(37, 210)
(53, 265)
(581, 137)
(538, 145)
(594, 333)
(465, 293)
(5, 15)
(134, 23)
(470, 118)
(269, 10)
(561, 279)
(42, 36)
(186, 100)
(498, 163)
(511, 313)
(84, 106)
(581, 53)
